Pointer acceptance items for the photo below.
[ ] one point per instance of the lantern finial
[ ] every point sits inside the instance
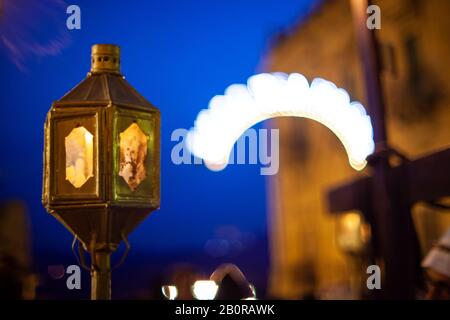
(105, 58)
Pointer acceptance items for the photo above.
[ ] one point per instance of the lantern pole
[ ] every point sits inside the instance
(101, 275)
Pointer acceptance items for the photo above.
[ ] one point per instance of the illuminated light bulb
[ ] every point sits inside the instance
(205, 289)
(274, 95)
(170, 292)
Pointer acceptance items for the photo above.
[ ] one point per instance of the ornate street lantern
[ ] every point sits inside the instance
(101, 162)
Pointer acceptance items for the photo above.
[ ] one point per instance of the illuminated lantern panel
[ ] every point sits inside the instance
(133, 152)
(79, 156)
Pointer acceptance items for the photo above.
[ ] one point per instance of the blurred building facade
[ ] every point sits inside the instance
(414, 51)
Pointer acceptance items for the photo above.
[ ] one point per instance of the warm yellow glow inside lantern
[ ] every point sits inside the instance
(79, 156)
(133, 152)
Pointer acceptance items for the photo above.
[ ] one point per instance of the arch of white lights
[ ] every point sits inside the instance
(277, 95)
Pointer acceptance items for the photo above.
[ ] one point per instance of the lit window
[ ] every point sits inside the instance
(79, 156)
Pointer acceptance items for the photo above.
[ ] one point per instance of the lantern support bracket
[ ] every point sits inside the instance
(80, 256)
(125, 254)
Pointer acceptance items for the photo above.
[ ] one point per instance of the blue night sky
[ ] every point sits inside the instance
(177, 54)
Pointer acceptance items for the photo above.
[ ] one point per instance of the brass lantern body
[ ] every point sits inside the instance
(114, 193)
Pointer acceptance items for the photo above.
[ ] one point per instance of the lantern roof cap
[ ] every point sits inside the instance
(105, 58)
(104, 88)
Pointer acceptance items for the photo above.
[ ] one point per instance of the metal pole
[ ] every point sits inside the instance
(395, 240)
(101, 275)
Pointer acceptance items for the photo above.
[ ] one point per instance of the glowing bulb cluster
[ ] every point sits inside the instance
(275, 95)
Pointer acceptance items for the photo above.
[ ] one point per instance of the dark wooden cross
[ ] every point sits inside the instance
(386, 196)
(426, 179)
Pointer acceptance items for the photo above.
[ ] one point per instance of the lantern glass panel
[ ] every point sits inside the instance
(79, 156)
(133, 152)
